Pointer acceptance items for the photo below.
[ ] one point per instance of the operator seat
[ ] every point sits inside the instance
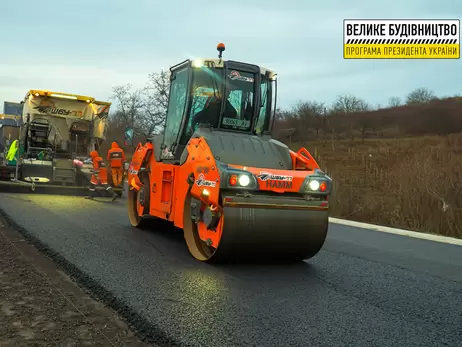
(211, 112)
(248, 111)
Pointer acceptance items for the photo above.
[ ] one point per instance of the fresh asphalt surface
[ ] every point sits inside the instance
(365, 288)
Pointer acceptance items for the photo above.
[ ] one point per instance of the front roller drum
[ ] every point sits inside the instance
(266, 231)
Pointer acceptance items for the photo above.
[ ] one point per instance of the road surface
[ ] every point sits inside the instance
(364, 287)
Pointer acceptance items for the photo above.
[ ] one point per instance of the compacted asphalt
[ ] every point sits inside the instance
(365, 288)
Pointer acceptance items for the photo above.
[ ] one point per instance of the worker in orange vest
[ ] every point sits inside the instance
(99, 176)
(116, 158)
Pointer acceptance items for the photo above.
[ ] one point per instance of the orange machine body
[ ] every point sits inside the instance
(169, 185)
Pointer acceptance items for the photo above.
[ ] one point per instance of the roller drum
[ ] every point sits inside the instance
(271, 234)
(266, 229)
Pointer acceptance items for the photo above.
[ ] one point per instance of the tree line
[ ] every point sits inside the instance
(420, 112)
(145, 110)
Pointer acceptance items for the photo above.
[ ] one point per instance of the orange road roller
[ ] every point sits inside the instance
(217, 173)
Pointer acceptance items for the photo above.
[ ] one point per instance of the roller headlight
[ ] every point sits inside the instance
(317, 184)
(238, 179)
(244, 180)
(314, 185)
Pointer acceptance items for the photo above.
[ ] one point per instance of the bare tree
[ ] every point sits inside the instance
(283, 115)
(394, 101)
(310, 114)
(118, 119)
(156, 95)
(143, 109)
(129, 104)
(348, 104)
(420, 96)
(283, 119)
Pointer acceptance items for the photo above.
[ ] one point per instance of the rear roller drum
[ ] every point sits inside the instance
(138, 202)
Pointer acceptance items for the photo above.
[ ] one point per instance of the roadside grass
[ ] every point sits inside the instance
(411, 183)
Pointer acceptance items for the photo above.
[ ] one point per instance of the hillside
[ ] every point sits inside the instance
(411, 183)
(400, 166)
(438, 117)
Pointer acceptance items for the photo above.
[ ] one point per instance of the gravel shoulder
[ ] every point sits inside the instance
(40, 305)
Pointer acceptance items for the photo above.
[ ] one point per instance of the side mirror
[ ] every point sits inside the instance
(128, 137)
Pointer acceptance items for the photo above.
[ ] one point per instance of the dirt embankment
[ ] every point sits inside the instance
(41, 306)
(399, 166)
(411, 183)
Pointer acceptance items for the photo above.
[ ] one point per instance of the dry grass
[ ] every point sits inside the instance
(410, 183)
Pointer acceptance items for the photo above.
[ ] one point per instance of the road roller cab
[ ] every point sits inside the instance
(217, 173)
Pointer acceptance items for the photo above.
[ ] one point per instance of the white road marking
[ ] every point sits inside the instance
(415, 234)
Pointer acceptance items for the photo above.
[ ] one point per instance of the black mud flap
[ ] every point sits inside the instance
(195, 210)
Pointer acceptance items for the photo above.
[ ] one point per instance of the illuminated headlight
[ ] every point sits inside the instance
(244, 180)
(241, 180)
(317, 186)
(314, 185)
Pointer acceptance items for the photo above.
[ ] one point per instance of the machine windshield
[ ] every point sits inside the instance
(208, 91)
(240, 98)
(265, 109)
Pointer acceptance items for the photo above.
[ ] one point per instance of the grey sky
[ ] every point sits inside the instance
(88, 46)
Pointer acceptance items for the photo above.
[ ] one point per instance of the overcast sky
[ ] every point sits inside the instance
(88, 46)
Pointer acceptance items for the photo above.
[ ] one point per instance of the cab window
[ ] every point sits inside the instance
(264, 111)
(240, 87)
(206, 92)
(177, 103)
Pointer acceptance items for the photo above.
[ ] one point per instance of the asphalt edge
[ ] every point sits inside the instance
(396, 231)
(146, 331)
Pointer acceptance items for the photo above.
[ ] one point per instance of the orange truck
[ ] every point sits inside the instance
(216, 172)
